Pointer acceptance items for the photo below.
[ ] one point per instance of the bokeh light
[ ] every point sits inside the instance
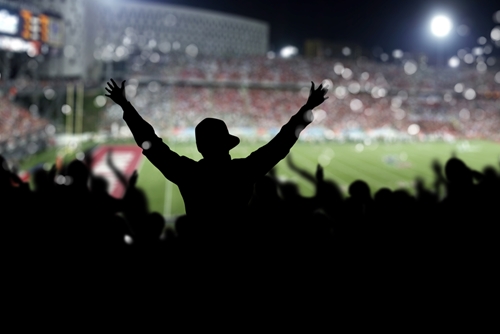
(496, 16)
(50, 129)
(340, 92)
(359, 148)
(413, 129)
(128, 239)
(100, 101)
(354, 87)
(154, 57)
(481, 67)
(347, 73)
(469, 58)
(80, 156)
(497, 77)
(470, 94)
(66, 109)
(464, 114)
(495, 33)
(410, 67)
(454, 61)
(477, 51)
(397, 54)
(356, 105)
(325, 157)
(192, 50)
(49, 93)
(338, 68)
(33, 109)
(327, 83)
(319, 115)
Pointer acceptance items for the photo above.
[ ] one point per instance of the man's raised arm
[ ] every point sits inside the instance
(141, 130)
(270, 154)
(168, 162)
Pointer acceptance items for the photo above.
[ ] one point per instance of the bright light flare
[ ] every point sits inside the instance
(288, 51)
(441, 26)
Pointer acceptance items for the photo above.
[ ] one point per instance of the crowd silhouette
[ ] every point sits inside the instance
(241, 219)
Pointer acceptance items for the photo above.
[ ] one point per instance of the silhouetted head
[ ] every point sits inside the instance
(457, 172)
(359, 189)
(41, 179)
(383, 195)
(4, 173)
(79, 173)
(98, 184)
(213, 138)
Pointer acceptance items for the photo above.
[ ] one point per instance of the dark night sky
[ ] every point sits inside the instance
(390, 24)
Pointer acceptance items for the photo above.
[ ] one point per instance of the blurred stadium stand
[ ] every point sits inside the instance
(183, 64)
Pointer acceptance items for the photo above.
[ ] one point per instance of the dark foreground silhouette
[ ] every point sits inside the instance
(73, 242)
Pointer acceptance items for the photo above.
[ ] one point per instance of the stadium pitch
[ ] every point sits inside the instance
(391, 165)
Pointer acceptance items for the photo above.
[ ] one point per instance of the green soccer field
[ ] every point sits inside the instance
(394, 166)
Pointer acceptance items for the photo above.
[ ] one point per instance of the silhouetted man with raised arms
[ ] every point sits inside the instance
(216, 187)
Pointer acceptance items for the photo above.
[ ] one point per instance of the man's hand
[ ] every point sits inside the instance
(316, 96)
(117, 94)
(319, 173)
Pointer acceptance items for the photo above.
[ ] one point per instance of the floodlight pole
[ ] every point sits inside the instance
(79, 108)
(70, 92)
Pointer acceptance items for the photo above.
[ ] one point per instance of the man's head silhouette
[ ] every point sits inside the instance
(213, 138)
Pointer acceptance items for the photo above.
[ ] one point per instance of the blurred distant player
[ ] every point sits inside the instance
(216, 187)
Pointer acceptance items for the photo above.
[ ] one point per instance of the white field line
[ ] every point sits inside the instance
(167, 207)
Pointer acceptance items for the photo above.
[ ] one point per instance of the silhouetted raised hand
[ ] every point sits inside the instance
(116, 93)
(119, 175)
(316, 96)
(320, 174)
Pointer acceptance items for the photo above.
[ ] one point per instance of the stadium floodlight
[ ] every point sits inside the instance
(288, 51)
(441, 26)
